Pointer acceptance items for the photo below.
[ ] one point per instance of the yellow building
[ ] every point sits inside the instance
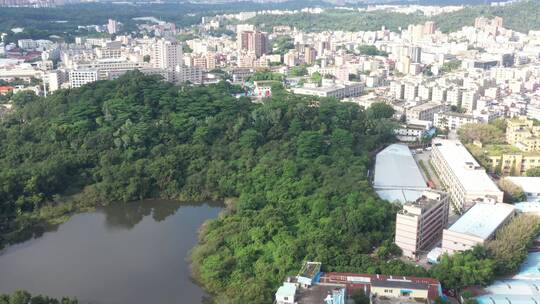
(401, 289)
(514, 163)
(523, 134)
(520, 154)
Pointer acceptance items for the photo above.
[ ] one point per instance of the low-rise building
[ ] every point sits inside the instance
(397, 176)
(425, 111)
(530, 186)
(476, 226)
(410, 132)
(513, 162)
(335, 90)
(337, 288)
(452, 120)
(262, 89)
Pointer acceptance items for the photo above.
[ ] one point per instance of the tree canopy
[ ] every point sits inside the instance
(24, 297)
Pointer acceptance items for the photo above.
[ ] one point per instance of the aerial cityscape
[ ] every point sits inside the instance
(336, 152)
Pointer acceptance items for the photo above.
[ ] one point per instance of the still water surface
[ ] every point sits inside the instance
(133, 253)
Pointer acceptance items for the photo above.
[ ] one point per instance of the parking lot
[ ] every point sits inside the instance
(422, 158)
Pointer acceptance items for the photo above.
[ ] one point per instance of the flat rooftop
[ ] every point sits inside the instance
(316, 294)
(529, 184)
(482, 219)
(428, 200)
(460, 161)
(425, 106)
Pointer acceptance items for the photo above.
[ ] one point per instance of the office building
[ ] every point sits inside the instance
(419, 225)
(464, 179)
(78, 78)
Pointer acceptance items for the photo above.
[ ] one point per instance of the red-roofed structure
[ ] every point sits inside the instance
(366, 281)
(6, 89)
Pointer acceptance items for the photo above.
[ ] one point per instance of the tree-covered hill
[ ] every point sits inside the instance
(521, 16)
(296, 167)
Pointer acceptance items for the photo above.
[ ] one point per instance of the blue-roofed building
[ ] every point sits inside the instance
(476, 226)
(530, 269)
(511, 291)
(507, 299)
(528, 207)
(522, 288)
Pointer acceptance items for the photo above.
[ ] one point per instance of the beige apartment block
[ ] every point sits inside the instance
(523, 134)
(419, 225)
(425, 111)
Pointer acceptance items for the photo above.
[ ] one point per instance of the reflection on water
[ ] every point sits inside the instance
(126, 253)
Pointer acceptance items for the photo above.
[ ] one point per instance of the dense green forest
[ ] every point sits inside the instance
(41, 23)
(521, 16)
(24, 297)
(295, 166)
(344, 20)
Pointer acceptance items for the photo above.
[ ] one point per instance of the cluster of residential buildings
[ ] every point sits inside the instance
(476, 74)
(522, 151)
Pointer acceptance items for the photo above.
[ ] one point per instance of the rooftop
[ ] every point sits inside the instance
(317, 293)
(467, 170)
(400, 283)
(428, 200)
(529, 184)
(425, 106)
(310, 269)
(397, 176)
(287, 290)
(482, 219)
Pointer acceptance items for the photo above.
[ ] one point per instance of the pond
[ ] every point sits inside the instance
(127, 253)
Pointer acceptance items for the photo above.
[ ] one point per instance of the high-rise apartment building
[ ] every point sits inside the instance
(167, 54)
(429, 28)
(253, 42)
(310, 55)
(112, 26)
